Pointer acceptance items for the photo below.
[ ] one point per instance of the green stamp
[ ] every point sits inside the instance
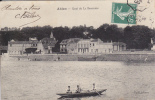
(124, 14)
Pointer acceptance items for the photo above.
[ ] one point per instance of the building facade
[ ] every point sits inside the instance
(94, 46)
(46, 45)
(105, 47)
(153, 45)
(90, 46)
(119, 46)
(63, 46)
(21, 47)
(83, 46)
(69, 45)
(43, 46)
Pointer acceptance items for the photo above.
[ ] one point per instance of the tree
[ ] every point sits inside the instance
(137, 37)
(101, 32)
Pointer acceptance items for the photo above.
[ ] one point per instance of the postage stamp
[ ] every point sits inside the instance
(124, 14)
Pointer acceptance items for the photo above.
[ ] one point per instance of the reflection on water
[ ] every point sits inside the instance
(61, 98)
(80, 98)
(38, 80)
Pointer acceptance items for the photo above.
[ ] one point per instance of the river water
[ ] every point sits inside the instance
(40, 80)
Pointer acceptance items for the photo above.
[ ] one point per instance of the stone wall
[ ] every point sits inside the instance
(103, 57)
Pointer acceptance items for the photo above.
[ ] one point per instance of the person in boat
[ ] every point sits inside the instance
(78, 89)
(69, 91)
(94, 86)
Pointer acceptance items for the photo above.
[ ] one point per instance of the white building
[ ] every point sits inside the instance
(83, 46)
(94, 46)
(19, 47)
(32, 46)
(153, 48)
(90, 46)
(153, 45)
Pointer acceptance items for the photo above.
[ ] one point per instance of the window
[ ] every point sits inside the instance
(79, 45)
(96, 50)
(10, 45)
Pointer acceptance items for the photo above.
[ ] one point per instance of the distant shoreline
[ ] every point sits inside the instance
(127, 57)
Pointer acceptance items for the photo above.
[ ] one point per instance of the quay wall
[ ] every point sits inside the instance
(74, 57)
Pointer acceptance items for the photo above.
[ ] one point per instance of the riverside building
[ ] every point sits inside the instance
(90, 46)
(43, 46)
(94, 46)
(153, 45)
(20, 47)
(69, 45)
(46, 45)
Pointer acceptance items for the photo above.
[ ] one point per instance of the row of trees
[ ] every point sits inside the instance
(136, 37)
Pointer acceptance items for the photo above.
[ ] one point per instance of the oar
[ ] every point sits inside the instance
(97, 92)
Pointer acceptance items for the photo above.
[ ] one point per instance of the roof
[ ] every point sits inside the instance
(106, 43)
(94, 40)
(48, 39)
(3, 47)
(75, 40)
(85, 40)
(64, 41)
(71, 40)
(48, 42)
(22, 42)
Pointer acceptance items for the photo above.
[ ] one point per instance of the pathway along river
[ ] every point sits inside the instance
(39, 80)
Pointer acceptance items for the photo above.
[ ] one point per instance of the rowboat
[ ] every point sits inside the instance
(82, 93)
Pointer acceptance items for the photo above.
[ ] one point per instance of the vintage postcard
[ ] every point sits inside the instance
(77, 50)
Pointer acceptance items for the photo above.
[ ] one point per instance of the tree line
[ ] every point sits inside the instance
(136, 37)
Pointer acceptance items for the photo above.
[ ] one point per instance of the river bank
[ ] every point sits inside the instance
(143, 57)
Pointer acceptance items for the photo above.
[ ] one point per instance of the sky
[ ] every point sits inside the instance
(48, 13)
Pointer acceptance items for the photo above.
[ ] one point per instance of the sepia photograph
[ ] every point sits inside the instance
(77, 50)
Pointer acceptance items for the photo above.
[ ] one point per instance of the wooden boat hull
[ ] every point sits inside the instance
(81, 94)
